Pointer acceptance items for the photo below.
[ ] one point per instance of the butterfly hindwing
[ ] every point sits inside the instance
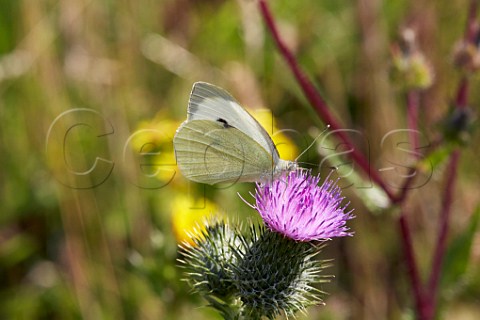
(213, 151)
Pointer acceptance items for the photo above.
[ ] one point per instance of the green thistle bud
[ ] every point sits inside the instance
(208, 261)
(459, 124)
(275, 275)
(466, 57)
(410, 69)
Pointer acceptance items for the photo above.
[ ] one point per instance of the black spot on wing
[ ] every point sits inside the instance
(225, 123)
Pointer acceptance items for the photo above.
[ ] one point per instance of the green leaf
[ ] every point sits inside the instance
(458, 254)
(434, 159)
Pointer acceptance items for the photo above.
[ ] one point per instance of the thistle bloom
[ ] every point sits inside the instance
(298, 208)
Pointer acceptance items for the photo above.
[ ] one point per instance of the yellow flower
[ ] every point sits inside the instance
(285, 146)
(189, 216)
(153, 143)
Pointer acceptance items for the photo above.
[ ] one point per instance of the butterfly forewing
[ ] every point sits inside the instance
(209, 102)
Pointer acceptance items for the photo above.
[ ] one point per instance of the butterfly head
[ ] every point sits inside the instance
(285, 166)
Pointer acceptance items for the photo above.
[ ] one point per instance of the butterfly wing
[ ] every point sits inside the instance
(209, 102)
(211, 152)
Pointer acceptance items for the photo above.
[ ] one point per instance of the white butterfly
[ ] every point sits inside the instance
(221, 142)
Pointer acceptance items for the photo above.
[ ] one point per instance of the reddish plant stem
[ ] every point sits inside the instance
(408, 250)
(470, 34)
(317, 101)
(412, 118)
(406, 235)
(425, 302)
(405, 188)
(441, 242)
(462, 93)
(470, 28)
(407, 183)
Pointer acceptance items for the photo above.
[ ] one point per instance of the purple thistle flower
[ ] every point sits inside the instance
(298, 208)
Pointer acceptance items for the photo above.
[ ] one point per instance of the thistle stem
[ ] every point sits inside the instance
(425, 296)
(411, 261)
(470, 28)
(441, 242)
(470, 34)
(413, 98)
(462, 93)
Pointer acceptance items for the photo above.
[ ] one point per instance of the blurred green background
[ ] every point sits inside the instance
(106, 83)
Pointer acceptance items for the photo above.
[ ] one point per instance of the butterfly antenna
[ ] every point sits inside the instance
(307, 163)
(313, 142)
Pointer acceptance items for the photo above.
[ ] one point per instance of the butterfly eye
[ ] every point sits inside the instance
(292, 166)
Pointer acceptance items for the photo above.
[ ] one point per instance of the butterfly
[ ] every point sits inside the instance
(221, 142)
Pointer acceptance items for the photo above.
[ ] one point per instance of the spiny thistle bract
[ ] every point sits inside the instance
(276, 275)
(262, 274)
(208, 260)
